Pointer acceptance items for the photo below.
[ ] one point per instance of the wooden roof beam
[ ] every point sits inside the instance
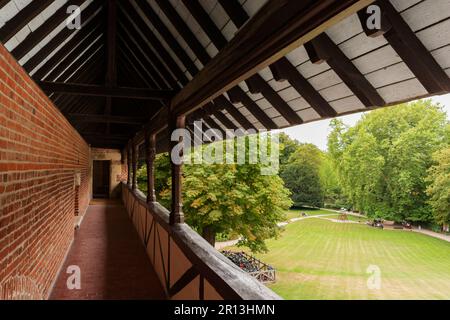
(284, 70)
(412, 51)
(102, 91)
(94, 40)
(263, 40)
(259, 85)
(236, 94)
(60, 55)
(184, 31)
(323, 48)
(44, 30)
(138, 21)
(21, 19)
(64, 34)
(130, 28)
(167, 35)
(101, 118)
(223, 104)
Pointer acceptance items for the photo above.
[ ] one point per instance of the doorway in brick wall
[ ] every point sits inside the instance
(101, 179)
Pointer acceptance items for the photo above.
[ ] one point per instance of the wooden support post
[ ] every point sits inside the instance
(135, 152)
(150, 152)
(176, 214)
(129, 161)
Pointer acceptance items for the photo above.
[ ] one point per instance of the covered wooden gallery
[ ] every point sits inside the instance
(132, 71)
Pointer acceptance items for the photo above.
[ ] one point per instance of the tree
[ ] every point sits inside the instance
(229, 198)
(439, 188)
(287, 147)
(301, 175)
(329, 180)
(382, 161)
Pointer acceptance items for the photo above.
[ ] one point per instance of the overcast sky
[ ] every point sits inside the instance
(317, 132)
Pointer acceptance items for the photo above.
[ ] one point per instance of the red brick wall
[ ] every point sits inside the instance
(40, 152)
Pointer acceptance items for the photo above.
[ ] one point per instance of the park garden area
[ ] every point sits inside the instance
(316, 258)
(393, 165)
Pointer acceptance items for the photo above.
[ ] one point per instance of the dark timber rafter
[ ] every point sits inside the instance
(102, 91)
(43, 30)
(156, 21)
(95, 118)
(322, 48)
(147, 51)
(153, 41)
(283, 69)
(73, 43)
(63, 35)
(261, 41)
(195, 44)
(409, 47)
(111, 63)
(22, 18)
(3, 3)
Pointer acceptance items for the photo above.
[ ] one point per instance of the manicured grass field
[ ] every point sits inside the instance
(320, 259)
(297, 213)
(349, 217)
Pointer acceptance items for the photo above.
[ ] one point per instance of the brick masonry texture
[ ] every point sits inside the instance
(40, 154)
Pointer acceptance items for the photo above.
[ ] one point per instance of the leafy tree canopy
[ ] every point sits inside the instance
(382, 161)
(439, 188)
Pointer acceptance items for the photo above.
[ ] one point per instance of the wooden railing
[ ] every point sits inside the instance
(188, 266)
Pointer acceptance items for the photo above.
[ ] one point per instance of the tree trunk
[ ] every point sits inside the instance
(209, 235)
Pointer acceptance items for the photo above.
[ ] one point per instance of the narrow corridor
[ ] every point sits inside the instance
(113, 262)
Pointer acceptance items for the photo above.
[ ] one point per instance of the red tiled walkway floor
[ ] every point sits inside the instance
(112, 260)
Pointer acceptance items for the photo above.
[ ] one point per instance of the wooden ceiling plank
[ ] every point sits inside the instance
(154, 41)
(256, 83)
(3, 3)
(43, 30)
(207, 24)
(283, 69)
(137, 51)
(272, 32)
(235, 11)
(184, 30)
(76, 55)
(129, 28)
(63, 35)
(274, 99)
(80, 75)
(412, 51)
(59, 56)
(168, 37)
(223, 104)
(138, 65)
(22, 18)
(326, 49)
(126, 59)
(238, 95)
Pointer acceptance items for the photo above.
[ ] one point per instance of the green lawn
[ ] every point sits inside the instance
(296, 213)
(320, 259)
(349, 217)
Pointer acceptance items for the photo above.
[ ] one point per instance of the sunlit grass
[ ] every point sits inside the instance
(319, 259)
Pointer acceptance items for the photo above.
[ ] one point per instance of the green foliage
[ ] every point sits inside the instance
(228, 199)
(382, 162)
(329, 180)
(301, 175)
(439, 188)
(287, 147)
